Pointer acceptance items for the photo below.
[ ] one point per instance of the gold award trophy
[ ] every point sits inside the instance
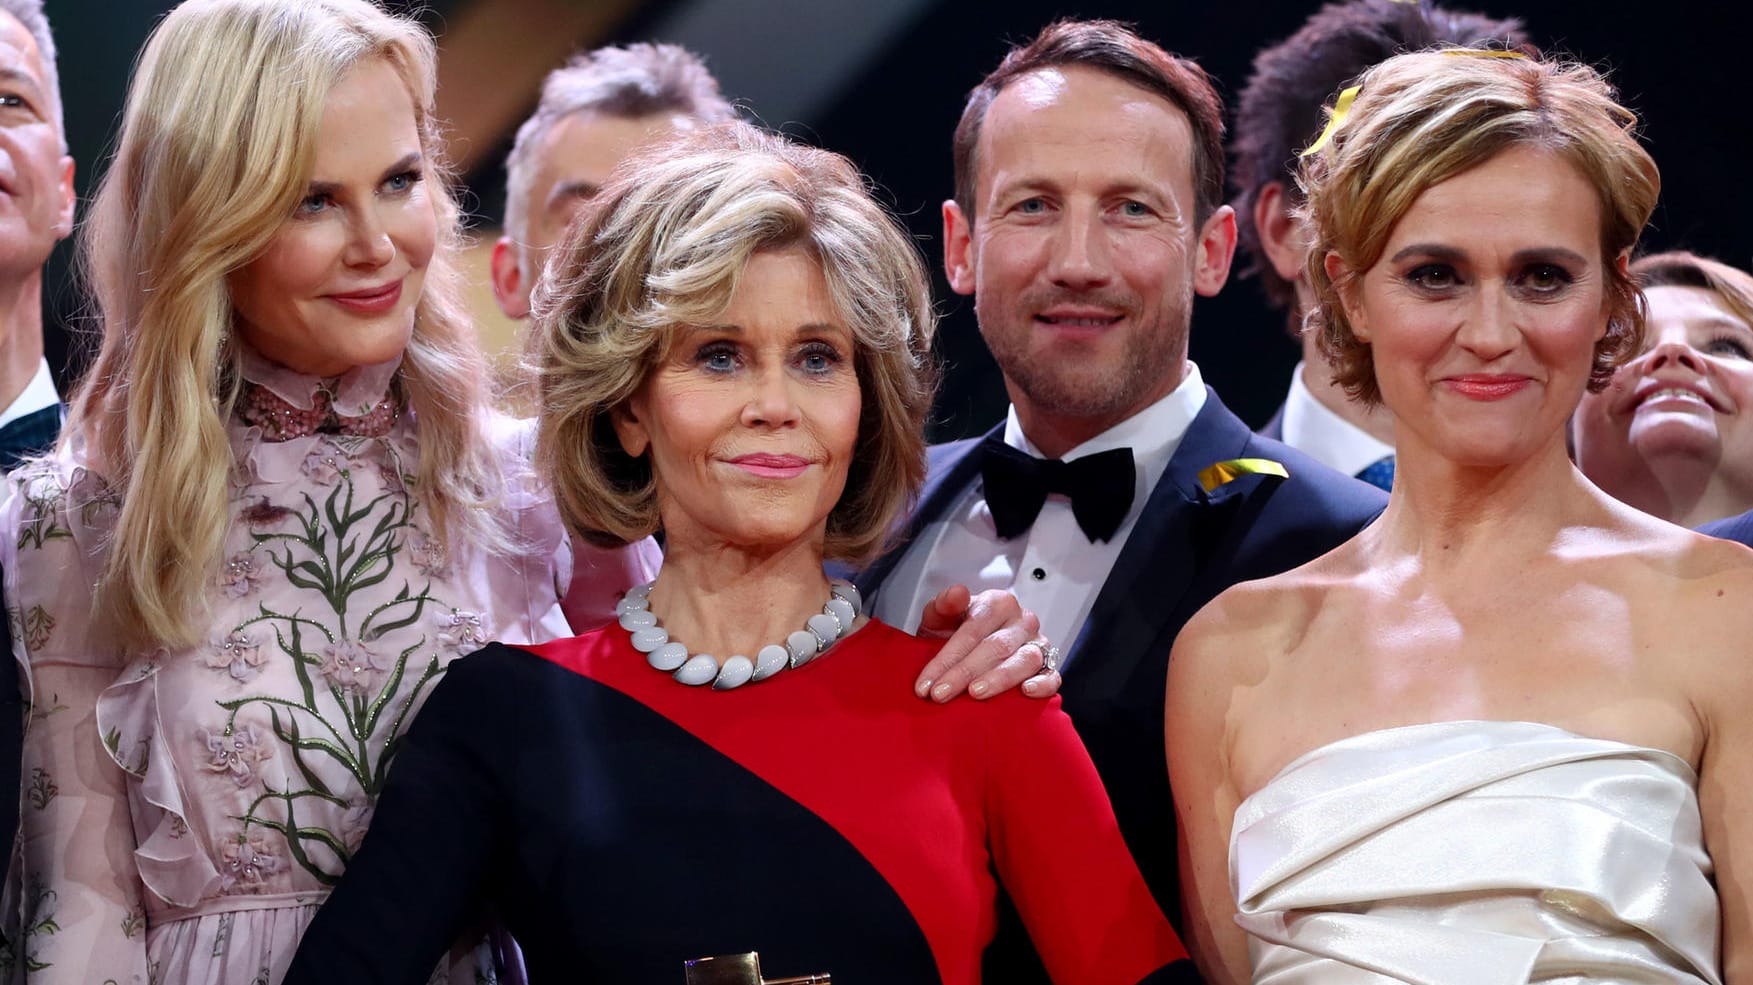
(742, 969)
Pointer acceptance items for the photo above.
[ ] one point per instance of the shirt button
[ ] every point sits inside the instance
(1038, 574)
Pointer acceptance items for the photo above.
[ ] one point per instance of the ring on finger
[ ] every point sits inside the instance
(1049, 655)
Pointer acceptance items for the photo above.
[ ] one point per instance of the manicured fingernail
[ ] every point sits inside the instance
(922, 689)
(979, 688)
(940, 693)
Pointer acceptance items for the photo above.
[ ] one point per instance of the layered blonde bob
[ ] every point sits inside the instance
(216, 150)
(665, 247)
(1422, 118)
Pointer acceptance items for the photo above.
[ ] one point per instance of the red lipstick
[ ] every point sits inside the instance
(1487, 386)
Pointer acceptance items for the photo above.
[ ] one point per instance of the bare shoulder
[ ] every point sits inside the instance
(1694, 596)
(1693, 568)
(1234, 638)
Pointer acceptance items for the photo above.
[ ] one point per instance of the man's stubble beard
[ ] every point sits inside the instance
(1074, 387)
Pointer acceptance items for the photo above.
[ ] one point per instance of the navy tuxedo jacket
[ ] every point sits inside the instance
(1735, 528)
(32, 434)
(1188, 546)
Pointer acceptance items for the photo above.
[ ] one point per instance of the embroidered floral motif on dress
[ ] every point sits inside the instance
(253, 759)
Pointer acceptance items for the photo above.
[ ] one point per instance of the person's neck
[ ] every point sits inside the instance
(725, 600)
(1457, 517)
(1684, 489)
(1054, 433)
(21, 335)
(1377, 421)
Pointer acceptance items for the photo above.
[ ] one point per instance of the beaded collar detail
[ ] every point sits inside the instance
(820, 632)
(285, 404)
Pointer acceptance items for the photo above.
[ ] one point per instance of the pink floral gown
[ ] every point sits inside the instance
(186, 812)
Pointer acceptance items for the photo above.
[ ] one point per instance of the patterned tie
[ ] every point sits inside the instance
(1379, 473)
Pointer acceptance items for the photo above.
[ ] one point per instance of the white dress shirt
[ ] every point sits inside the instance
(1312, 428)
(38, 393)
(1053, 568)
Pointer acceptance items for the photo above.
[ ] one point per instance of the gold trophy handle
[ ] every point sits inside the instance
(742, 969)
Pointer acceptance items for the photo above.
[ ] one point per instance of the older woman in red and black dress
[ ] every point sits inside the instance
(734, 350)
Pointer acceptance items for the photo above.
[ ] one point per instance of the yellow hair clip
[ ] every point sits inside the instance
(1341, 107)
(1217, 474)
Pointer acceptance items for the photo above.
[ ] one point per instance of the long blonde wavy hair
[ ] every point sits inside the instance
(216, 150)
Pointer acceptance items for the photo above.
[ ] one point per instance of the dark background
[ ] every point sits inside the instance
(1681, 65)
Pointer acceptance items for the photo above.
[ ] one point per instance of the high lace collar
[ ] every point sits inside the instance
(354, 393)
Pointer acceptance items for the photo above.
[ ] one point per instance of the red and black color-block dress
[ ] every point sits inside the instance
(620, 823)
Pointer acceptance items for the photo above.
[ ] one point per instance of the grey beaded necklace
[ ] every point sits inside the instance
(820, 632)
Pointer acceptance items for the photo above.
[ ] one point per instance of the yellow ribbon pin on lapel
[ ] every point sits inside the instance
(1219, 473)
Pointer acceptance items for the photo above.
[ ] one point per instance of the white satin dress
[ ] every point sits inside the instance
(1476, 853)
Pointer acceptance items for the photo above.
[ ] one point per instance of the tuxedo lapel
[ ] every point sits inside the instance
(950, 467)
(1168, 548)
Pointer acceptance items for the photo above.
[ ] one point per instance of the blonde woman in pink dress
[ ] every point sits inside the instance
(284, 479)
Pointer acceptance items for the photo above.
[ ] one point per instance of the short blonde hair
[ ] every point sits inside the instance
(216, 148)
(666, 247)
(1422, 118)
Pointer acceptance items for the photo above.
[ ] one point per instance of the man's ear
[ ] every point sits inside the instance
(1280, 234)
(1347, 287)
(629, 424)
(69, 200)
(958, 248)
(510, 287)
(1217, 247)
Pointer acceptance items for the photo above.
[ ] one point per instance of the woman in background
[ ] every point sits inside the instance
(1673, 434)
(283, 477)
(1501, 735)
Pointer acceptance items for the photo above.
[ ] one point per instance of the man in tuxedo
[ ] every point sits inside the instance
(595, 111)
(1119, 495)
(1280, 113)
(36, 212)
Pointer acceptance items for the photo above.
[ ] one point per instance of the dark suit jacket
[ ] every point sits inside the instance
(1188, 546)
(1736, 528)
(32, 434)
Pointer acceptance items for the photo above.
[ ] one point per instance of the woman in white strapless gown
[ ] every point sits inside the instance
(1501, 736)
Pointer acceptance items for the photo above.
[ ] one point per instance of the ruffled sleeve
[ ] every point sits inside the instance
(169, 861)
(585, 580)
(72, 903)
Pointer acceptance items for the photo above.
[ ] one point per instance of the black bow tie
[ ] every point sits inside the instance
(1017, 483)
